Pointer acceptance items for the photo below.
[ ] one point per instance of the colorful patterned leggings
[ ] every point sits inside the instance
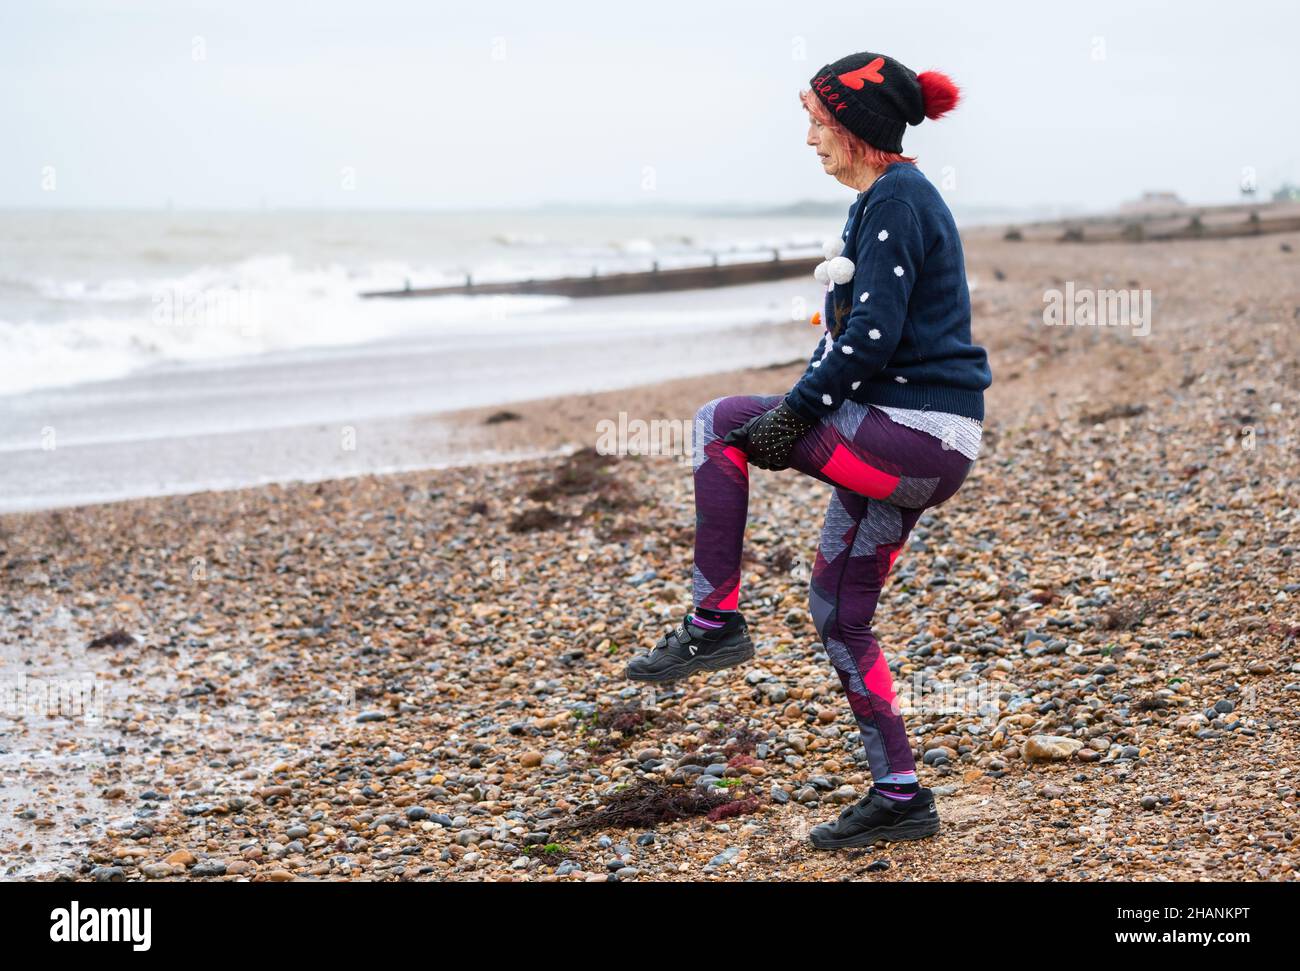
(884, 474)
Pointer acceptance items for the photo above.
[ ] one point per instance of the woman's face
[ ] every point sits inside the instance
(828, 148)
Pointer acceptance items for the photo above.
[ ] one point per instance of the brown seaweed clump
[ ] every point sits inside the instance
(585, 471)
(589, 473)
(117, 638)
(611, 729)
(646, 805)
(537, 518)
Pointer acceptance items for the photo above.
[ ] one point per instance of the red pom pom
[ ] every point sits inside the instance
(939, 93)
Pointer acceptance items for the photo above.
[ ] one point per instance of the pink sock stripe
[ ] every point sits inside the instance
(848, 470)
(699, 621)
(897, 779)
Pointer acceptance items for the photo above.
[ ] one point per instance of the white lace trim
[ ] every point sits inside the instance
(956, 431)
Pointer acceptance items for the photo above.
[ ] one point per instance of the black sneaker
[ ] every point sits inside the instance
(689, 648)
(875, 818)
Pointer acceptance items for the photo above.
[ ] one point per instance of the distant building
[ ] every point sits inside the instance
(1154, 202)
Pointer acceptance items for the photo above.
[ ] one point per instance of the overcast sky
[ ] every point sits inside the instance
(383, 104)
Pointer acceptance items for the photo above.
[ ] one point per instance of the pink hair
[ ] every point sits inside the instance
(859, 152)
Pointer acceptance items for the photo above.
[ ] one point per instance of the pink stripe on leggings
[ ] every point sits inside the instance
(851, 472)
(739, 457)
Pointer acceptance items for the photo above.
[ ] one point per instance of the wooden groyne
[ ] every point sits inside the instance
(612, 284)
(1188, 222)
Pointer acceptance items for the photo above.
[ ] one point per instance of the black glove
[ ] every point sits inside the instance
(769, 438)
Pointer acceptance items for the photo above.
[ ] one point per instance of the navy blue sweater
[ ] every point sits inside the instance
(901, 326)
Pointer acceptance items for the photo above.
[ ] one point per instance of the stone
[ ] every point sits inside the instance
(1050, 748)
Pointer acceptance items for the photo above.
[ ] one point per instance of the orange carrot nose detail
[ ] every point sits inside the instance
(855, 79)
(816, 320)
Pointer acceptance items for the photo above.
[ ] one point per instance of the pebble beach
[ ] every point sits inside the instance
(418, 676)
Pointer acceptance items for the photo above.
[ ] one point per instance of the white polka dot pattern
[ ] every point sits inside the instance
(862, 336)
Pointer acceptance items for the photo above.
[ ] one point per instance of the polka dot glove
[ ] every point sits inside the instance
(769, 439)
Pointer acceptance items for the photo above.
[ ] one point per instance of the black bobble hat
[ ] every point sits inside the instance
(876, 98)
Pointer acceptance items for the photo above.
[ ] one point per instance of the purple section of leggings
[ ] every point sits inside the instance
(861, 536)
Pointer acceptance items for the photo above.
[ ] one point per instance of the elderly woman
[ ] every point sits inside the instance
(888, 413)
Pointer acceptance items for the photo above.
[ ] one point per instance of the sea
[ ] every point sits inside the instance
(130, 341)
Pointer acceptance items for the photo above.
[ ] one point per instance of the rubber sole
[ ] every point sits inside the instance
(713, 661)
(912, 830)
